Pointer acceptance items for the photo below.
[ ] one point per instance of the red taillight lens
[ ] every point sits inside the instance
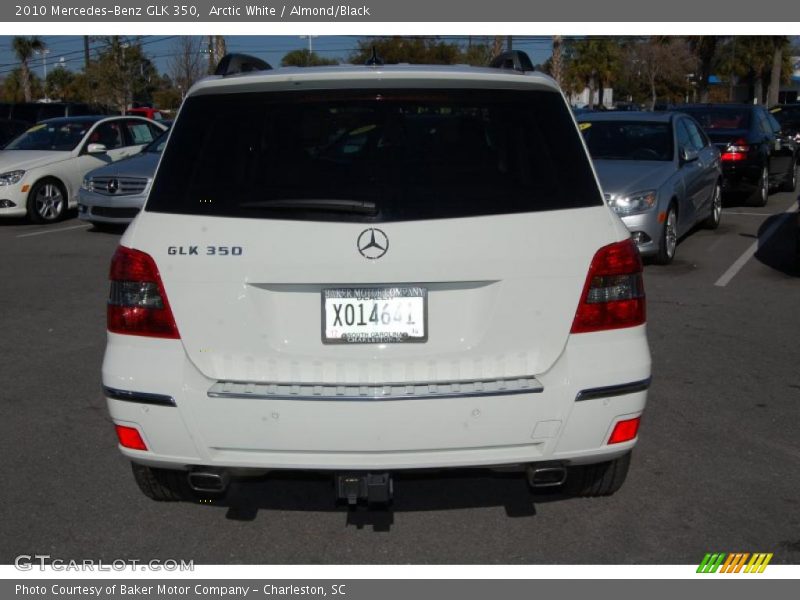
(625, 431)
(733, 156)
(129, 437)
(613, 296)
(736, 151)
(137, 302)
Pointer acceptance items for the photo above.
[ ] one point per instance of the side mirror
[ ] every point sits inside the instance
(688, 155)
(96, 149)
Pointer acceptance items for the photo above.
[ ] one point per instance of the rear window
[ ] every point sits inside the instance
(373, 156)
(721, 117)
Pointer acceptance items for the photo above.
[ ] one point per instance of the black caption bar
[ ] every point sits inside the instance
(472, 11)
(372, 589)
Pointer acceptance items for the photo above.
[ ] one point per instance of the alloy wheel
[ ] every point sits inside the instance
(49, 202)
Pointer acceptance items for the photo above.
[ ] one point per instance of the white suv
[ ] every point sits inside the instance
(368, 269)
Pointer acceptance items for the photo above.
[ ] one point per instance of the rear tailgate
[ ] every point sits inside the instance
(501, 293)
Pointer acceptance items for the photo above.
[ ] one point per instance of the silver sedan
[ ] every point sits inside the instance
(114, 194)
(659, 173)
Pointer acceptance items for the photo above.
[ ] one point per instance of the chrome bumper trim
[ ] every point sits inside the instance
(387, 391)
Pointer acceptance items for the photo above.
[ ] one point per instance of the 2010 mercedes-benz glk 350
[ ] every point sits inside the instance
(369, 269)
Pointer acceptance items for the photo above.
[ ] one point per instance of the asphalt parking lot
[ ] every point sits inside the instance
(716, 468)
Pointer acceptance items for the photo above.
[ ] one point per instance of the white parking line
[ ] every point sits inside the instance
(747, 255)
(54, 230)
(747, 214)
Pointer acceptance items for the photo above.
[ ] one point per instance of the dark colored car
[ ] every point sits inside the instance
(11, 128)
(33, 112)
(788, 115)
(757, 155)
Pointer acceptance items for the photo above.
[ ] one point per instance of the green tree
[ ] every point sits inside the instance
(403, 49)
(122, 74)
(704, 48)
(60, 85)
(592, 63)
(304, 58)
(13, 89)
(24, 48)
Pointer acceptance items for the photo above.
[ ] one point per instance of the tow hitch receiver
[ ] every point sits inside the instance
(375, 488)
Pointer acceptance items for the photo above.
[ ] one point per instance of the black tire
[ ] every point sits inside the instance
(790, 184)
(669, 237)
(162, 485)
(761, 195)
(601, 479)
(47, 201)
(713, 219)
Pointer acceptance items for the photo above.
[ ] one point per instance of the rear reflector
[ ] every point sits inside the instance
(624, 431)
(613, 296)
(137, 302)
(129, 437)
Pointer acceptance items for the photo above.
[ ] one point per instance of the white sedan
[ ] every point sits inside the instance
(41, 171)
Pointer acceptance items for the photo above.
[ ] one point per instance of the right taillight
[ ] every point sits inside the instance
(613, 296)
(137, 302)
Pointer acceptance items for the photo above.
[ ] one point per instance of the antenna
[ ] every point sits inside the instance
(374, 60)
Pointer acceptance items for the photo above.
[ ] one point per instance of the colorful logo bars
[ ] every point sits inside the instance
(735, 563)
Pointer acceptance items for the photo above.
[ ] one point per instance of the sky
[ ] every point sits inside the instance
(68, 49)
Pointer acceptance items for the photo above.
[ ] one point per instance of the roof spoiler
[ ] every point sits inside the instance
(514, 60)
(231, 64)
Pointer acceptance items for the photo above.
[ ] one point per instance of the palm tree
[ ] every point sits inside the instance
(704, 48)
(779, 44)
(593, 62)
(24, 48)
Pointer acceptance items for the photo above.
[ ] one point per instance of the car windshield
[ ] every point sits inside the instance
(715, 118)
(381, 155)
(628, 140)
(59, 135)
(157, 145)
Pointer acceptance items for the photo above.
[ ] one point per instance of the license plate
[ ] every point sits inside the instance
(384, 315)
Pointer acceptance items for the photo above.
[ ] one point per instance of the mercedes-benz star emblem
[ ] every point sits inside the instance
(113, 186)
(372, 243)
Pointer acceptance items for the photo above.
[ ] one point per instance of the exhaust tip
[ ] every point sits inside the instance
(549, 476)
(209, 481)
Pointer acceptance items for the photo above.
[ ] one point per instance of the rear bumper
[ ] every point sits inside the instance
(740, 177)
(379, 434)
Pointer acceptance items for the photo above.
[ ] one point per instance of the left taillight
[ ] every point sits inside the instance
(613, 296)
(137, 302)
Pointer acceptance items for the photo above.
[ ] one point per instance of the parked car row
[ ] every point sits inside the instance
(665, 172)
(42, 170)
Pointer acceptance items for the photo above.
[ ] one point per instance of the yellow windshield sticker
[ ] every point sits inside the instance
(361, 130)
(584, 126)
(36, 128)
(777, 109)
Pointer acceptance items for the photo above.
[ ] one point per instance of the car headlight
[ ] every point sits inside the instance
(631, 204)
(11, 177)
(88, 185)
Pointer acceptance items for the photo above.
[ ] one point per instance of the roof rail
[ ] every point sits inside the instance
(231, 64)
(515, 60)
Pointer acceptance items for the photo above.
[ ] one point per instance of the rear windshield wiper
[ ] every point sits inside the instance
(333, 204)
